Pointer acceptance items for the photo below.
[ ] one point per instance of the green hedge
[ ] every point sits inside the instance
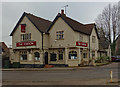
(6, 64)
(16, 64)
(102, 59)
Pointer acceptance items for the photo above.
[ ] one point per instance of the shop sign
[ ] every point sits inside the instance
(83, 44)
(32, 43)
(23, 28)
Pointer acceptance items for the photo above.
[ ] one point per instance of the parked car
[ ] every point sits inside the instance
(116, 58)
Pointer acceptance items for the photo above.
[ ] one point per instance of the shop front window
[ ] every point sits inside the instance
(37, 56)
(23, 55)
(93, 54)
(53, 57)
(72, 55)
(84, 55)
(61, 55)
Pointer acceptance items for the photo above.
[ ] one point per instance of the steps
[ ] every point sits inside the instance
(48, 66)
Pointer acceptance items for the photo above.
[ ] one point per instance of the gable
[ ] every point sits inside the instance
(40, 23)
(76, 26)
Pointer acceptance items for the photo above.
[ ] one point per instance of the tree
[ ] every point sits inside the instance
(107, 22)
(114, 19)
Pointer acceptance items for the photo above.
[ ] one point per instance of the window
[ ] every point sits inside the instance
(26, 36)
(53, 57)
(93, 39)
(93, 54)
(72, 55)
(23, 55)
(60, 55)
(37, 56)
(60, 34)
(80, 37)
(84, 55)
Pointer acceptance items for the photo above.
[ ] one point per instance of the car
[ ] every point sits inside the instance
(116, 58)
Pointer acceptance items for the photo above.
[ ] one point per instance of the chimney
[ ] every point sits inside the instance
(62, 11)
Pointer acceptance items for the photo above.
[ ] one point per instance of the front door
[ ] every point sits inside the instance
(46, 57)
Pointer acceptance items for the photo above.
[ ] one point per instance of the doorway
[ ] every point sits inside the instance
(46, 57)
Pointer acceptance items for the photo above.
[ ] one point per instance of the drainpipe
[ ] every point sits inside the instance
(43, 49)
(42, 40)
(89, 47)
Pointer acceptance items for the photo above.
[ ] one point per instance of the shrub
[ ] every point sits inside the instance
(16, 64)
(6, 64)
(102, 59)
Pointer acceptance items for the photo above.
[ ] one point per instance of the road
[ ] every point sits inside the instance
(89, 76)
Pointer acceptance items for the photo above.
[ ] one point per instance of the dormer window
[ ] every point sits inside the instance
(60, 35)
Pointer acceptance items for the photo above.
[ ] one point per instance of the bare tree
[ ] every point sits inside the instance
(108, 21)
(119, 17)
(114, 19)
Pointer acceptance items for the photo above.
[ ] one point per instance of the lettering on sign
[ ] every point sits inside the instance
(33, 43)
(83, 44)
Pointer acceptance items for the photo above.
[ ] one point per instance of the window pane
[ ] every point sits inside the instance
(57, 37)
(72, 55)
(62, 36)
(52, 57)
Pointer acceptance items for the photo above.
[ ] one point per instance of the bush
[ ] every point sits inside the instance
(102, 59)
(16, 64)
(6, 64)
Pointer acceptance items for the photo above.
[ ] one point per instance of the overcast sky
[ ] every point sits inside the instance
(84, 12)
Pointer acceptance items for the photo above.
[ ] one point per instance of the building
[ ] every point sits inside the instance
(66, 42)
(117, 49)
(4, 54)
(4, 50)
(104, 46)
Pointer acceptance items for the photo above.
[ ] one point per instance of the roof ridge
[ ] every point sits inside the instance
(72, 19)
(37, 16)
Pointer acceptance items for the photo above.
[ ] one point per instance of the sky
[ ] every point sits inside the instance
(83, 12)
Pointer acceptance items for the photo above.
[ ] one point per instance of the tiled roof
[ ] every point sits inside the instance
(75, 25)
(44, 25)
(41, 24)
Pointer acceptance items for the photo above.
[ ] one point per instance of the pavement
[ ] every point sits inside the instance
(46, 69)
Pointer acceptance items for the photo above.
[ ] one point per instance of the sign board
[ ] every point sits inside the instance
(32, 43)
(83, 44)
(23, 28)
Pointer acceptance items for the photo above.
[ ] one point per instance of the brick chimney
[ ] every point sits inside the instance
(62, 11)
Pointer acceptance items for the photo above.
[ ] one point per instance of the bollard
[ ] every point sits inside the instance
(111, 76)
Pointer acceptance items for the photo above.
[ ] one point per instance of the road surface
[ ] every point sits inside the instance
(99, 75)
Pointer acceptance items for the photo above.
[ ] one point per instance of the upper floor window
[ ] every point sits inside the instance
(60, 34)
(26, 36)
(93, 39)
(80, 37)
